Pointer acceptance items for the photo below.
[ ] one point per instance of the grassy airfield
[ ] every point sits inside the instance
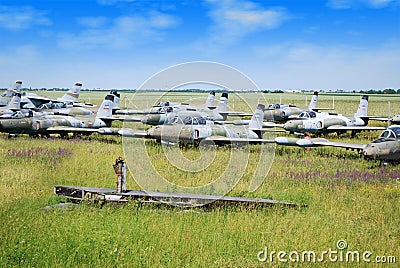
(347, 198)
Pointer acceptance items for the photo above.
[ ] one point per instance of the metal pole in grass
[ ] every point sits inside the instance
(120, 170)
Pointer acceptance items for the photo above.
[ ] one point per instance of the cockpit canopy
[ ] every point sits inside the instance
(165, 110)
(308, 114)
(186, 120)
(20, 114)
(277, 106)
(391, 133)
(274, 106)
(161, 110)
(50, 105)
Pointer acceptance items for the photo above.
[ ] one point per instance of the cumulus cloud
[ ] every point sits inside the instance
(233, 20)
(21, 18)
(118, 33)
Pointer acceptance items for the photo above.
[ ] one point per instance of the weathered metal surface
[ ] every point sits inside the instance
(79, 193)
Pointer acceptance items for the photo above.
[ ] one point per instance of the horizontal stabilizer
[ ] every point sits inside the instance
(64, 129)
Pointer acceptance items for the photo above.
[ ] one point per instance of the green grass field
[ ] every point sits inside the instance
(346, 198)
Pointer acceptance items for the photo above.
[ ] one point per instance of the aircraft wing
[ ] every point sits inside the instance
(64, 129)
(246, 122)
(317, 142)
(225, 140)
(37, 100)
(136, 112)
(354, 128)
(121, 118)
(322, 109)
(238, 114)
(85, 105)
(128, 132)
(60, 129)
(378, 118)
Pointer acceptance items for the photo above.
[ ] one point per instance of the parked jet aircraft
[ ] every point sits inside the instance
(318, 123)
(33, 123)
(9, 93)
(32, 100)
(62, 109)
(168, 107)
(385, 148)
(158, 115)
(283, 112)
(191, 129)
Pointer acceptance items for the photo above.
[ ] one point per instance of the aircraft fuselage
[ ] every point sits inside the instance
(321, 124)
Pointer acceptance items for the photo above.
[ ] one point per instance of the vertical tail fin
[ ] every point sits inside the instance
(117, 98)
(14, 88)
(223, 103)
(72, 95)
(314, 101)
(363, 107)
(15, 103)
(105, 109)
(256, 122)
(210, 100)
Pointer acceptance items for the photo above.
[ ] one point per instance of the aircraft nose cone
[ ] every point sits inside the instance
(291, 125)
(396, 119)
(151, 119)
(370, 152)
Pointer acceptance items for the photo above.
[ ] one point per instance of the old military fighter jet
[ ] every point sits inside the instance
(282, 112)
(70, 98)
(278, 112)
(194, 129)
(62, 109)
(386, 148)
(159, 114)
(324, 123)
(34, 124)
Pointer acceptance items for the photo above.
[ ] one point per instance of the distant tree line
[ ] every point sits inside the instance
(273, 91)
(385, 91)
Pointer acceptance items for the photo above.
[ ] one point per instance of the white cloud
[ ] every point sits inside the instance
(233, 20)
(347, 4)
(21, 18)
(118, 33)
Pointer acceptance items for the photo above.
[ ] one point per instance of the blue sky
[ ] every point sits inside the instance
(327, 44)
